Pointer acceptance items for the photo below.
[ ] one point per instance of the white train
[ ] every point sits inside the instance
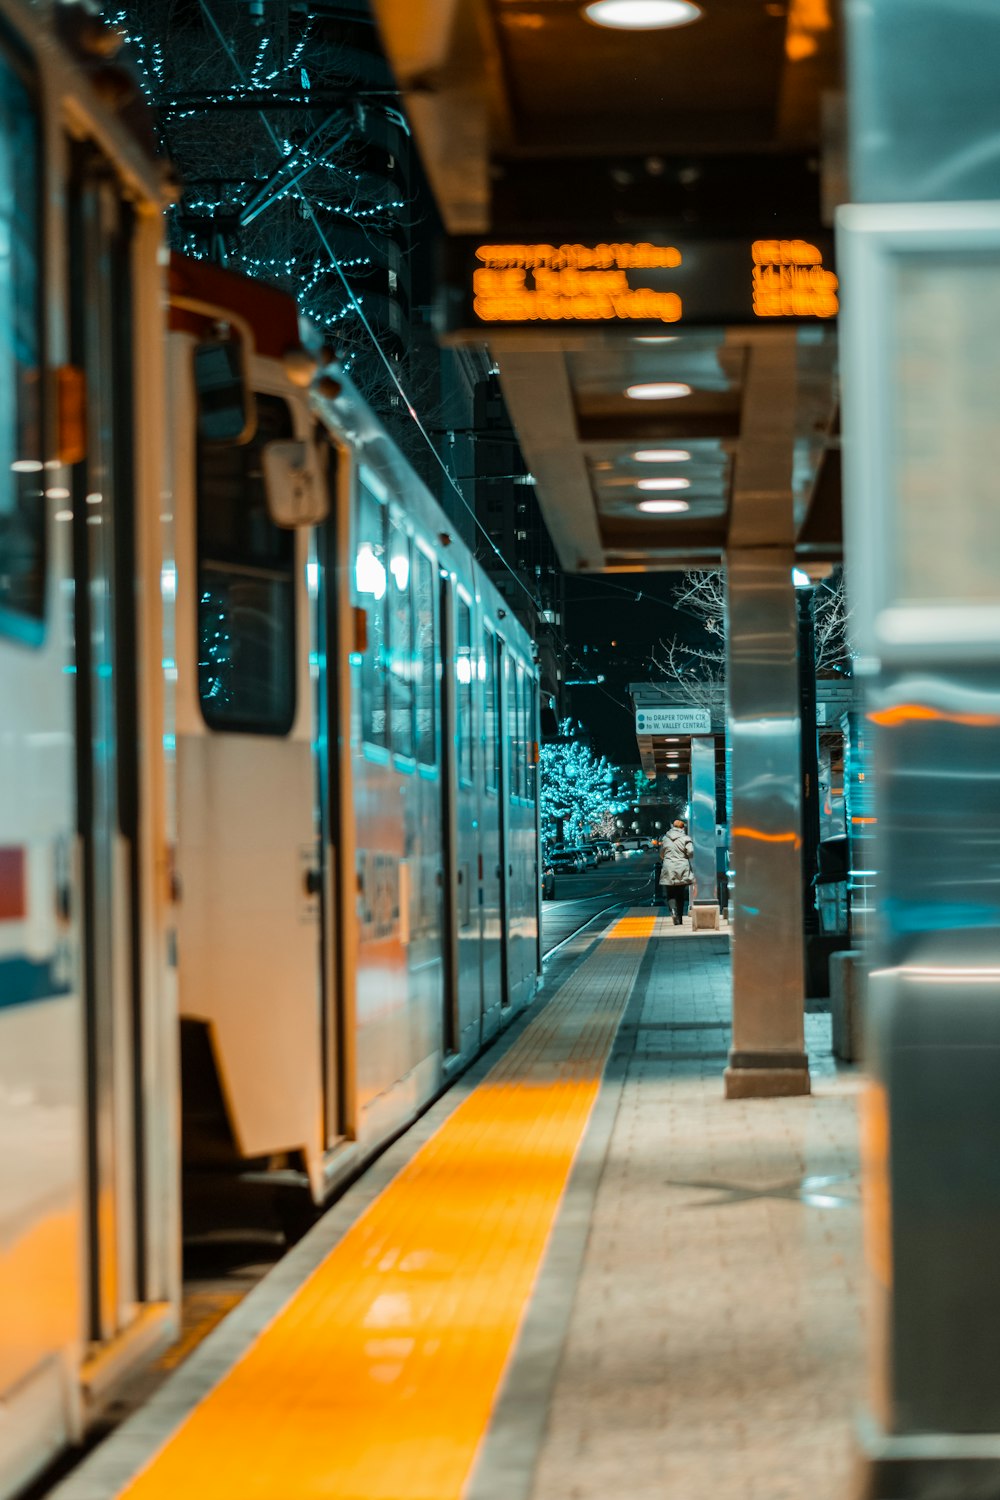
(267, 760)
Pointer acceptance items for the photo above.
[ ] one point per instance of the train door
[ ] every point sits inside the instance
(504, 868)
(460, 832)
(467, 845)
(248, 817)
(521, 847)
(327, 601)
(534, 783)
(108, 740)
(449, 820)
(491, 826)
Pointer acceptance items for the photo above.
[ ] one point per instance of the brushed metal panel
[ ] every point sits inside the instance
(703, 816)
(766, 791)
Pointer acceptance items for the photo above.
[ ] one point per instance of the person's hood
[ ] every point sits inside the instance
(677, 835)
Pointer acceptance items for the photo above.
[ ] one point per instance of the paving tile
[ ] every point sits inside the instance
(714, 1347)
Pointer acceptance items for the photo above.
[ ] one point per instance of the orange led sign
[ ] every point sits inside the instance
(586, 283)
(790, 281)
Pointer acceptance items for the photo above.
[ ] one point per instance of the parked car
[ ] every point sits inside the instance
(566, 860)
(589, 855)
(605, 849)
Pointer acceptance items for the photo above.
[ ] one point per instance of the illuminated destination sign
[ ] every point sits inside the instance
(673, 721)
(790, 281)
(696, 281)
(578, 283)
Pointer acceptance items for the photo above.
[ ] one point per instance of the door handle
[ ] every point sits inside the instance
(313, 882)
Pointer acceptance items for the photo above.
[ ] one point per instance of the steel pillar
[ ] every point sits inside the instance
(768, 1052)
(705, 904)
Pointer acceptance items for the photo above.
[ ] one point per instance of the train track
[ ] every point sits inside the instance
(641, 890)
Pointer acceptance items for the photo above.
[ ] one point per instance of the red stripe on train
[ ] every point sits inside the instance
(13, 903)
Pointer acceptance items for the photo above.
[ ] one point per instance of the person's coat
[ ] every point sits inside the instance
(675, 868)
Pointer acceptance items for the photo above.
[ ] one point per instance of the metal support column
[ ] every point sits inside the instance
(768, 1056)
(810, 759)
(920, 250)
(705, 906)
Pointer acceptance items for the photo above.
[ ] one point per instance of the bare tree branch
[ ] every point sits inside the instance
(698, 673)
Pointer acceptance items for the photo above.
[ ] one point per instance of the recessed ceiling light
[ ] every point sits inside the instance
(663, 484)
(657, 338)
(661, 456)
(642, 15)
(663, 507)
(658, 390)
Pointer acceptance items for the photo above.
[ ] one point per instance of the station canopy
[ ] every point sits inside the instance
(639, 230)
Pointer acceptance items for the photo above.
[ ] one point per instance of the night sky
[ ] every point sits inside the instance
(613, 624)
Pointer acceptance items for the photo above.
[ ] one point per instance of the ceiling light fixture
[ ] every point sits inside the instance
(663, 484)
(642, 15)
(663, 507)
(658, 390)
(657, 338)
(661, 456)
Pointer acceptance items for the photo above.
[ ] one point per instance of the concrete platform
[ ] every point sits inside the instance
(585, 1272)
(710, 1345)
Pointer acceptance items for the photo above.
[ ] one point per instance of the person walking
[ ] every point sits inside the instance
(675, 869)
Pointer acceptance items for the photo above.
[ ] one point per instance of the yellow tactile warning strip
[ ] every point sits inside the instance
(377, 1379)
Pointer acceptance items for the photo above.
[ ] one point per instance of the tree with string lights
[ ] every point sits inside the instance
(284, 128)
(578, 790)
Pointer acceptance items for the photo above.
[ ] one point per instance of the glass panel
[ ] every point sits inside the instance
(400, 640)
(463, 671)
(426, 657)
(247, 651)
(947, 437)
(22, 503)
(492, 725)
(371, 580)
(246, 587)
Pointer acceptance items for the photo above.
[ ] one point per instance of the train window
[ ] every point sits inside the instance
(464, 674)
(371, 583)
(491, 727)
(425, 656)
(400, 593)
(22, 499)
(246, 587)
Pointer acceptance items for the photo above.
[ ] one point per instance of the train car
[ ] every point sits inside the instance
(268, 824)
(356, 723)
(89, 1237)
(286, 730)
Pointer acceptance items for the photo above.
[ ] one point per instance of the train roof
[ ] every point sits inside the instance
(269, 313)
(201, 292)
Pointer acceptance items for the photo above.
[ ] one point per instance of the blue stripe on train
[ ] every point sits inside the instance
(24, 981)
